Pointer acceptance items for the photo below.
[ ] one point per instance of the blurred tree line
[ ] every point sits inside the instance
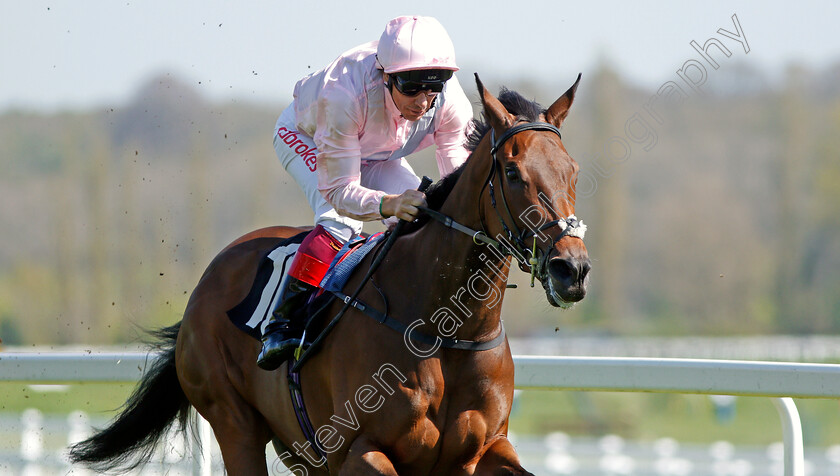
(728, 224)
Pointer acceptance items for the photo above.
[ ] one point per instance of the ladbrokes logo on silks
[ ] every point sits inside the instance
(290, 138)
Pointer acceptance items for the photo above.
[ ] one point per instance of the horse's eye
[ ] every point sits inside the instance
(512, 174)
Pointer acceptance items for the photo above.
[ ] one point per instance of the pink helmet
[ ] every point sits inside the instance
(413, 42)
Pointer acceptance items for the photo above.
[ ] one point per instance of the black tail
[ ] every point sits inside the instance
(157, 401)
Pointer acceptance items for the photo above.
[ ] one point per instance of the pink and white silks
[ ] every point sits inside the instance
(344, 141)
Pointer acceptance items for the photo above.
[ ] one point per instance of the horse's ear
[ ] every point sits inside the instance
(498, 117)
(558, 111)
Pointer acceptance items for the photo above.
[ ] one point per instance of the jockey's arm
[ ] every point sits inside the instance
(452, 129)
(339, 166)
(353, 200)
(339, 156)
(340, 123)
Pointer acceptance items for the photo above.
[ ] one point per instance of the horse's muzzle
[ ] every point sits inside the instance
(567, 279)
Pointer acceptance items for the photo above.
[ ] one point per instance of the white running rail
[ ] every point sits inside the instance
(777, 380)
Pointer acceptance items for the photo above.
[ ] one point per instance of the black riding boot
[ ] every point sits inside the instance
(283, 333)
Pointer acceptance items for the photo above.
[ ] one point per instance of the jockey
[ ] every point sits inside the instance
(344, 140)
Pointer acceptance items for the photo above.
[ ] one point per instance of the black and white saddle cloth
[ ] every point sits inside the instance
(252, 314)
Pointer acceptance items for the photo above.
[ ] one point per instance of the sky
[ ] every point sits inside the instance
(70, 55)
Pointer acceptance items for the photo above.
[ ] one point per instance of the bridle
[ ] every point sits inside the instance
(513, 244)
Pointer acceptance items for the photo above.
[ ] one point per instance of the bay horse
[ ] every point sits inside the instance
(381, 403)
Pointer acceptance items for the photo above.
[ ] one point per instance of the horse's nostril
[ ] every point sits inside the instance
(585, 267)
(564, 270)
(569, 271)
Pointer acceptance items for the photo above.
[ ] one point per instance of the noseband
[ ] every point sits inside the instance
(514, 243)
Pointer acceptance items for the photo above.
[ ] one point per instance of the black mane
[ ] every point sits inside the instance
(515, 104)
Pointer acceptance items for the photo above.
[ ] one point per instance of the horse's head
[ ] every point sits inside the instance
(532, 195)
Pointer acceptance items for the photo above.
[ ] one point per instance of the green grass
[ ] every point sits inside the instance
(100, 399)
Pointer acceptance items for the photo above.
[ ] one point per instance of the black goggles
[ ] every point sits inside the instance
(412, 83)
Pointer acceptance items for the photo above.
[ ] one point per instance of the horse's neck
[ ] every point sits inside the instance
(456, 281)
(463, 281)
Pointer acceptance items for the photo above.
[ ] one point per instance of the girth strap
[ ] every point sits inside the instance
(296, 394)
(419, 336)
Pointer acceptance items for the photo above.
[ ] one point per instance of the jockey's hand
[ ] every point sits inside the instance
(403, 206)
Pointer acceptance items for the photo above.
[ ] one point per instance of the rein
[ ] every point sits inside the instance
(431, 340)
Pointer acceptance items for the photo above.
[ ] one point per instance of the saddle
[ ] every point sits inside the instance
(253, 312)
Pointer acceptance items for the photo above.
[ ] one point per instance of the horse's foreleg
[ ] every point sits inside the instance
(364, 459)
(500, 459)
(242, 437)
